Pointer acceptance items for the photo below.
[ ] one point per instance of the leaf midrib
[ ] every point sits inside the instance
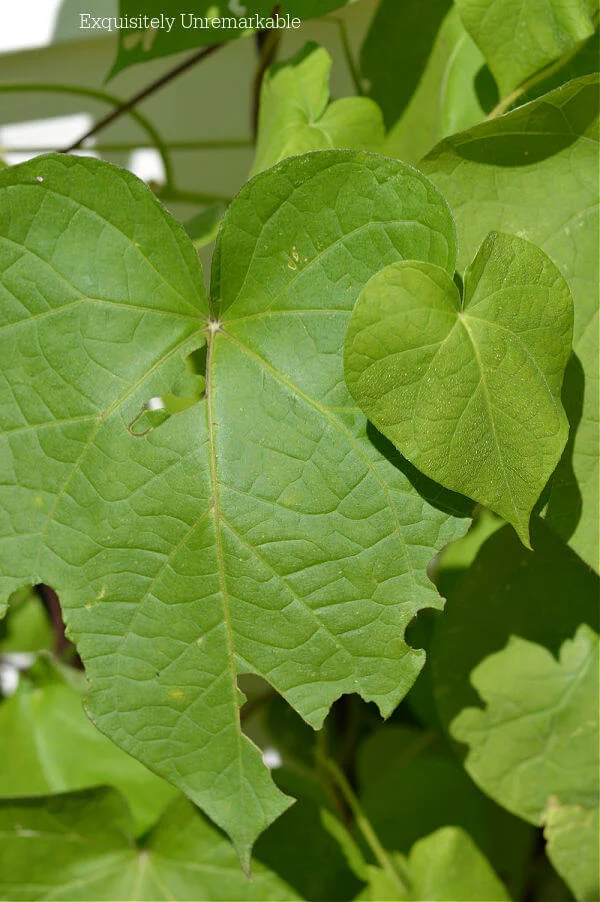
(463, 320)
(338, 424)
(214, 479)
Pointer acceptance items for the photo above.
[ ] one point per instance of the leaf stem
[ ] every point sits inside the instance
(385, 862)
(268, 42)
(156, 85)
(123, 146)
(104, 97)
(352, 67)
(507, 102)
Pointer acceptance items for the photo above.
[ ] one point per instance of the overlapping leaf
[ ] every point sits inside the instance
(296, 117)
(469, 389)
(259, 530)
(520, 37)
(48, 745)
(534, 172)
(446, 866)
(516, 680)
(141, 45)
(425, 72)
(543, 762)
(81, 846)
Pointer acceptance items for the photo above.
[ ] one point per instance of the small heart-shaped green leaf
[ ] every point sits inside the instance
(469, 392)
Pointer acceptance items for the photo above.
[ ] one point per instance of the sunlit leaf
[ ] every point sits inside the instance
(296, 116)
(520, 37)
(534, 172)
(80, 846)
(259, 530)
(468, 389)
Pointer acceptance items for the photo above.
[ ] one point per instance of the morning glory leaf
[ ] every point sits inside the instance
(296, 117)
(408, 769)
(27, 626)
(534, 172)
(542, 763)
(194, 27)
(81, 846)
(445, 866)
(448, 865)
(469, 391)
(520, 37)
(515, 678)
(260, 530)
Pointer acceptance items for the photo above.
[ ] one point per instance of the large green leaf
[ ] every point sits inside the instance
(260, 530)
(424, 71)
(81, 846)
(534, 172)
(469, 389)
(520, 37)
(47, 744)
(295, 114)
(515, 679)
(534, 746)
(141, 42)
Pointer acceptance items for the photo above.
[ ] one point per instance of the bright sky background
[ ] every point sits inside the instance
(27, 23)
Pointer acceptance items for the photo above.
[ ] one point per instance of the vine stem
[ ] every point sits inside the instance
(118, 146)
(348, 56)
(380, 854)
(268, 45)
(127, 105)
(104, 97)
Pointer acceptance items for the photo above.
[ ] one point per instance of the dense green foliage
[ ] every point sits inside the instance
(273, 512)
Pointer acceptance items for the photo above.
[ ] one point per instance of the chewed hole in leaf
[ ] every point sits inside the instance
(419, 631)
(186, 390)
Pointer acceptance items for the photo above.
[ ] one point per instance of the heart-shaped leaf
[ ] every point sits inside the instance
(296, 116)
(469, 392)
(534, 172)
(259, 530)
